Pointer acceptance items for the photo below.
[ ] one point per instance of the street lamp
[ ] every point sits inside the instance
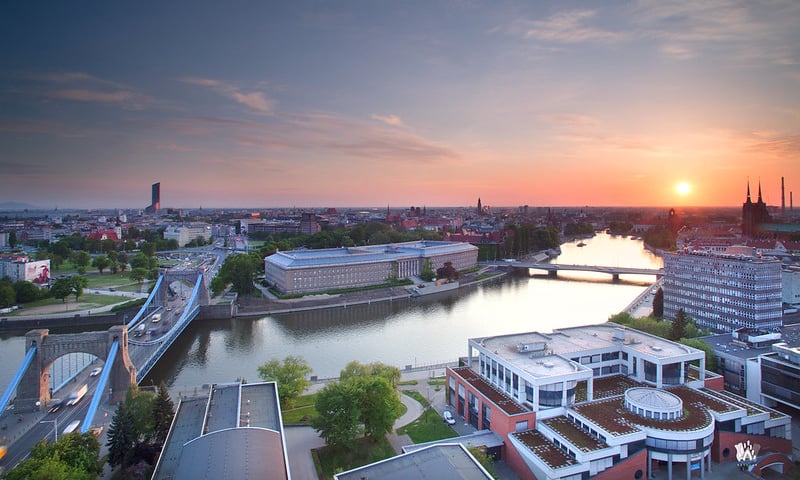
(55, 427)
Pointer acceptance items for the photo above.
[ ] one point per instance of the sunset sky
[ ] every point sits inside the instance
(375, 103)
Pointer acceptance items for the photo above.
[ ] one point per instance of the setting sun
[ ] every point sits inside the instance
(683, 188)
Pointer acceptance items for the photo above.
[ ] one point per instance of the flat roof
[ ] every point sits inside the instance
(243, 432)
(503, 401)
(440, 461)
(541, 357)
(481, 438)
(370, 253)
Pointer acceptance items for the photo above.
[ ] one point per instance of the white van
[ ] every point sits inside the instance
(71, 427)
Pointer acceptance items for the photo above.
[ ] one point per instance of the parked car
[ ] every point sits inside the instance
(447, 417)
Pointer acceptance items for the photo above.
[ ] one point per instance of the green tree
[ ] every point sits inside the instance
(26, 291)
(138, 274)
(240, 271)
(379, 405)
(148, 248)
(77, 284)
(8, 296)
(658, 304)
(101, 262)
(486, 461)
(678, 329)
(338, 419)
(74, 456)
(81, 258)
(139, 406)
(12, 239)
(290, 376)
(121, 438)
(61, 289)
(427, 271)
(163, 411)
(355, 369)
(711, 357)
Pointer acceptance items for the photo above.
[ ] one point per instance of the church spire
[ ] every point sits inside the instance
(759, 191)
(748, 190)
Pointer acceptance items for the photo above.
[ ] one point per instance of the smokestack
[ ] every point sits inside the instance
(783, 197)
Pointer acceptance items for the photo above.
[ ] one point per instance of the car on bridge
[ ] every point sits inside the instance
(95, 371)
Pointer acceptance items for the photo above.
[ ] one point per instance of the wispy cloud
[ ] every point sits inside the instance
(392, 120)
(689, 28)
(254, 100)
(83, 87)
(571, 26)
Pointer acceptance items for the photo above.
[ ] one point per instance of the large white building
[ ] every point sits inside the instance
(186, 233)
(304, 271)
(723, 292)
(606, 402)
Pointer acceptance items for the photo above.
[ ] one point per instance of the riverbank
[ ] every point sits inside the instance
(259, 307)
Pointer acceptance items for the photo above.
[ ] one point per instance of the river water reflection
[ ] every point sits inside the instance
(429, 330)
(411, 332)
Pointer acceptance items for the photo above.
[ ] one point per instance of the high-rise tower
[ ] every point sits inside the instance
(155, 198)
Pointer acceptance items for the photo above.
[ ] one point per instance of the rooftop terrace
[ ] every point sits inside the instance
(543, 448)
(580, 439)
(506, 403)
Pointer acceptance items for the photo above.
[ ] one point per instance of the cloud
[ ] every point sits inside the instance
(254, 100)
(391, 145)
(748, 30)
(392, 120)
(83, 87)
(566, 27)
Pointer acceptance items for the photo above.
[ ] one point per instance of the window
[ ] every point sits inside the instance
(521, 426)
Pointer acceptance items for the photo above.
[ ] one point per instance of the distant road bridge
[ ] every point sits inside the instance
(552, 269)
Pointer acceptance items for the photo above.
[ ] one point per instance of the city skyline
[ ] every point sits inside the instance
(398, 103)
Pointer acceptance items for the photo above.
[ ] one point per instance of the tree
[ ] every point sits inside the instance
(427, 271)
(121, 438)
(486, 461)
(678, 329)
(78, 283)
(138, 274)
(379, 405)
(61, 289)
(81, 258)
(357, 369)
(74, 456)
(337, 422)
(658, 304)
(26, 291)
(711, 357)
(290, 375)
(163, 412)
(148, 248)
(12, 238)
(139, 406)
(447, 271)
(240, 270)
(101, 262)
(8, 296)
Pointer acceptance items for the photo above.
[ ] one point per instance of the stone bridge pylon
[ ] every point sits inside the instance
(35, 384)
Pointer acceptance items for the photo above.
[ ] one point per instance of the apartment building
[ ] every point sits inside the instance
(723, 292)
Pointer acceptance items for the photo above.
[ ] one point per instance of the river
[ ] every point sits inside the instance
(428, 330)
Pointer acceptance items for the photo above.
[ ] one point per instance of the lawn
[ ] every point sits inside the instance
(364, 452)
(417, 396)
(108, 279)
(302, 412)
(427, 428)
(55, 305)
